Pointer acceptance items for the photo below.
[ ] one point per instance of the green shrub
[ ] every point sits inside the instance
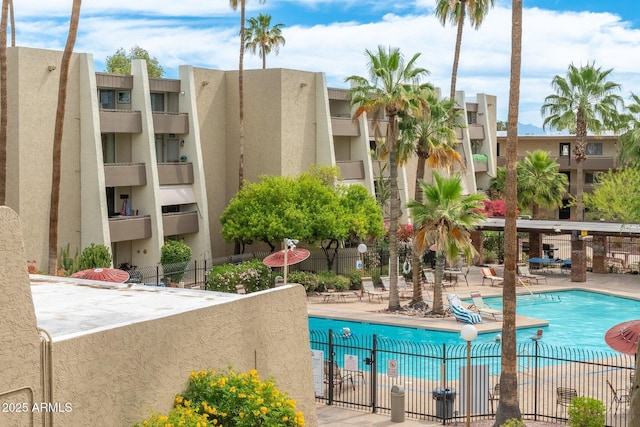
(329, 280)
(306, 279)
(179, 416)
(253, 275)
(240, 400)
(490, 256)
(95, 256)
(174, 257)
(513, 422)
(586, 411)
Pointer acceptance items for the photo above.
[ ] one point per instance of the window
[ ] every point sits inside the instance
(565, 149)
(592, 177)
(472, 117)
(124, 97)
(594, 149)
(157, 102)
(107, 99)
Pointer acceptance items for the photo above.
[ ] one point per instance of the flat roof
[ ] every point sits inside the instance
(67, 307)
(565, 227)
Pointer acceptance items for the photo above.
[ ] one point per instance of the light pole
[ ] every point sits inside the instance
(362, 249)
(468, 333)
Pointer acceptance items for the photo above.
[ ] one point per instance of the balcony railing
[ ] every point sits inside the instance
(126, 228)
(120, 121)
(124, 174)
(351, 169)
(593, 163)
(177, 123)
(175, 173)
(180, 223)
(344, 126)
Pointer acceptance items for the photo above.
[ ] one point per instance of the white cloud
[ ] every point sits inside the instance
(206, 34)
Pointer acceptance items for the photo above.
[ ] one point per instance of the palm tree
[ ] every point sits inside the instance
(508, 406)
(445, 219)
(629, 142)
(261, 37)
(455, 12)
(539, 185)
(57, 136)
(234, 5)
(585, 101)
(393, 86)
(432, 137)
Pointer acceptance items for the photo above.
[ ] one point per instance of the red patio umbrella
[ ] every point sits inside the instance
(113, 275)
(293, 256)
(623, 337)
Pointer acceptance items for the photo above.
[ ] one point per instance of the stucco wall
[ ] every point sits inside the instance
(119, 375)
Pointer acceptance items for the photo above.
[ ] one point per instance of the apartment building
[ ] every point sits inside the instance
(601, 157)
(149, 159)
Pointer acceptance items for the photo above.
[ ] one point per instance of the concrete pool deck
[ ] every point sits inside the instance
(350, 308)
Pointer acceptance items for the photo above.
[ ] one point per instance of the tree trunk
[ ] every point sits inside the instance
(580, 154)
(438, 307)
(416, 261)
(57, 137)
(508, 406)
(456, 55)
(394, 299)
(3, 102)
(241, 97)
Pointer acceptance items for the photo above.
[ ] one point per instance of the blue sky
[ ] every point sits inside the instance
(330, 36)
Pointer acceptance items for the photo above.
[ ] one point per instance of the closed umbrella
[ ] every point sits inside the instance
(112, 275)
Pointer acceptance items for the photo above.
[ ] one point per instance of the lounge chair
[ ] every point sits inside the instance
(338, 377)
(564, 396)
(620, 397)
(524, 273)
(369, 289)
(429, 277)
(461, 313)
(490, 275)
(403, 286)
(482, 308)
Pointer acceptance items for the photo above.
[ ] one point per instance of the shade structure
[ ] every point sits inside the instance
(113, 275)
(293, 256)
(623, 337)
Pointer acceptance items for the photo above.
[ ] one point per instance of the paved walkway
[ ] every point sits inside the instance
(351, 308)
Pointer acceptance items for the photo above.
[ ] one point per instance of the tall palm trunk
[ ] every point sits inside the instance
(3, 102)
(456, 55)
(241, 98)
(438, 306)
(508, 407)
(394, 298)
(415, 256)
(581, 155)
(57, 136)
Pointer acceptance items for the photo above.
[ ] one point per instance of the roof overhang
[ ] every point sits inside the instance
(565, 227)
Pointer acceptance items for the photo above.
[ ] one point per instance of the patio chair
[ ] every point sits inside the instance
(494, 395)
(524, 273)
(369, 289)
(564, 396)
(429, 277)
(461, 313)
(403, 286)
(482, 308)
(491, 275)
(620, 397)
(338, 377)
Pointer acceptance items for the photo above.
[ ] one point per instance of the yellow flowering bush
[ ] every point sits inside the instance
(233, 399)
(182, 416)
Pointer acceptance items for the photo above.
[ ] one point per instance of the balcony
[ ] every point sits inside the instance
(180, 223)
(382, 124)
(480, 166)
(476, 132)
(175, 173)
(351, 170)
(177, 123)
(126, 228)
(597, 163)
(120, 121)
(124, 174)
(344, 126)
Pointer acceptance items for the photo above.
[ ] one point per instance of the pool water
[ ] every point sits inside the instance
(576, 319)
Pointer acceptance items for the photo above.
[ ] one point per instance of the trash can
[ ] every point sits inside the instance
(444, 402)
(397, 404)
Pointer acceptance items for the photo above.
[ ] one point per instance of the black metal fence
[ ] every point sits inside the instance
(359, 373)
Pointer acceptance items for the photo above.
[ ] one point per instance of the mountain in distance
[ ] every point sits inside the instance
(529, 129)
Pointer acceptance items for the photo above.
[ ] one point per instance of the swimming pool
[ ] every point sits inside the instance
(576, 318)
